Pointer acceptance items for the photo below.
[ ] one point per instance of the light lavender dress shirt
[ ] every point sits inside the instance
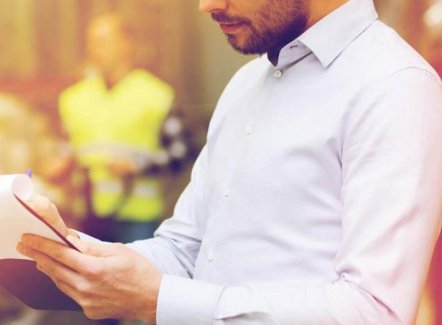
(317, 198)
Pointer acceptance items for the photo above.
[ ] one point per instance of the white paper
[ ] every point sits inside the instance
(15, 220)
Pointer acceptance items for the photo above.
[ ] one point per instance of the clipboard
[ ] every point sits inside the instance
(35, 289)
(39, 217)
(18, 275)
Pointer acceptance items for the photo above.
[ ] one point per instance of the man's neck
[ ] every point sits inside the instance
(113, 76)
(318, 10)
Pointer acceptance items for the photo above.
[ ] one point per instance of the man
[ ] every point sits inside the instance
(316, 199)
(113, 119)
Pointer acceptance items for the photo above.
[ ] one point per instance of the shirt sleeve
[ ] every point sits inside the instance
(176, 243)
(391, 196)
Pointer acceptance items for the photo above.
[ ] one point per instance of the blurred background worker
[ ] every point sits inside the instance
(113, 119)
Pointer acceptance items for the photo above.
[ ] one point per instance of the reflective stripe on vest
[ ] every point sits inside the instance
(141, 202)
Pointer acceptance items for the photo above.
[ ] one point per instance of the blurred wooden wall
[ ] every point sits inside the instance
(43, 44)
(47, 36)
(405, 16)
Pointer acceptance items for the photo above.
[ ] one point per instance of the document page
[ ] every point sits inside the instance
(18, 274)
(15, 219)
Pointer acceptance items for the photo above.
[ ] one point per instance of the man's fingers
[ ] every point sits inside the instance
(73, 284)
(68, 281)
(59, 252)
(50, 267)
(84, 263)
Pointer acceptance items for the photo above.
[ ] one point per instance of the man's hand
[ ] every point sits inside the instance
(107, 281)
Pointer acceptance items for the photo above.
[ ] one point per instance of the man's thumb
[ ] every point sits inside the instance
(98, 250)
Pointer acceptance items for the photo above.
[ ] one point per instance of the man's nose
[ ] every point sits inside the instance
(209, 6)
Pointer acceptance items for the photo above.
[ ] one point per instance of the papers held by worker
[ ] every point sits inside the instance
(18, 274)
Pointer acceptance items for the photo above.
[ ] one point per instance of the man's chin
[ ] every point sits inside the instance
(244, 48)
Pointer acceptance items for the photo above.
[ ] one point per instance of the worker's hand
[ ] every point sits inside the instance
(47, 210)
(123, 167)
(107, 281)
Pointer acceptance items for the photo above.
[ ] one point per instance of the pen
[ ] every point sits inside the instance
(29, 172)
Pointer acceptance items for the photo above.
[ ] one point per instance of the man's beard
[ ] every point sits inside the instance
(271, 30)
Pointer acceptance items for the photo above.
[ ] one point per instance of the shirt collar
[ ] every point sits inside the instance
(332, 34)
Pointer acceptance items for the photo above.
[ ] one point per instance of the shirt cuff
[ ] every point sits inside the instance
(186, 302)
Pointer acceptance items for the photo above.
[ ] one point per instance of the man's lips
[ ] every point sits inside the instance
(230, 28)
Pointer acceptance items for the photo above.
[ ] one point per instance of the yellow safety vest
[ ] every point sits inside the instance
(124, 121)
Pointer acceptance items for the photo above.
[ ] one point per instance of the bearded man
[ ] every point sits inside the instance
(316, 200)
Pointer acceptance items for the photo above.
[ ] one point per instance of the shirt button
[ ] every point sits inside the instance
(226, 192)
(277, 74)
(210, 256)
(249, 130)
